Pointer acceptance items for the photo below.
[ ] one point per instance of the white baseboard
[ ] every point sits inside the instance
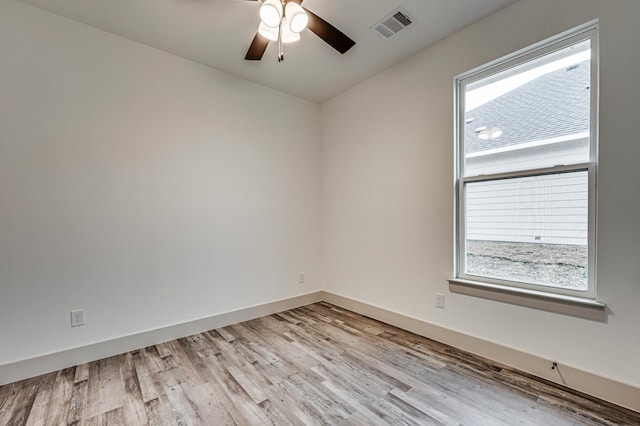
(36, 366)
(601, 387)
(604, 388)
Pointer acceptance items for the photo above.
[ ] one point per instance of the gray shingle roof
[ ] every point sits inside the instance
(555, 104)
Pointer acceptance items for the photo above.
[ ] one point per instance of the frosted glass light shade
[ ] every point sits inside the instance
(296, 17)
(267, 32)
(490, 134)
(271, 13)
(495, 133)
(288, 36)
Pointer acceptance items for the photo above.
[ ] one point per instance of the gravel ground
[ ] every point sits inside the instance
(548, 264)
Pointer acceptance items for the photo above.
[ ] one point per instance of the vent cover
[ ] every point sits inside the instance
(393, 23)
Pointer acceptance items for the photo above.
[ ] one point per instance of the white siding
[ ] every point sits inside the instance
(571, 151)
(546, 209)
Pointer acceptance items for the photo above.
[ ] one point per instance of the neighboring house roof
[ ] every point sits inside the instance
(553, 105)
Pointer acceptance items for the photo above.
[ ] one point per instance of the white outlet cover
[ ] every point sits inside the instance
(439, 300)
(77, 318)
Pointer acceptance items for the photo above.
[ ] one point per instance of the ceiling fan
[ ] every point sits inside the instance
(283, 20)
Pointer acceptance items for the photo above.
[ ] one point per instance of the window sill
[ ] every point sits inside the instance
(567, 305)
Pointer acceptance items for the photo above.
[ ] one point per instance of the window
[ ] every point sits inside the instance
(526, 165)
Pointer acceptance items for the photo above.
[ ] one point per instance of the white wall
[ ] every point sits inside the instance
(145, 188)
(387, 197)
(151, 191)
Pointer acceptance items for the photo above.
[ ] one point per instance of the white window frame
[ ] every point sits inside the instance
(580, 303)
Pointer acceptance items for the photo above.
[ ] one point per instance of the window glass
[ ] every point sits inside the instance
(530, 229)
(526, 169)
(534, 115)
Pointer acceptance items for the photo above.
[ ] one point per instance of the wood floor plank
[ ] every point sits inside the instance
(148, 390)
(78, 402)
(104, 387)
(149, 366)
(133, 408)
(42, 399)
(362, 411)
(180, 360)
(52, 402)
(15, 409)
(158, 414)
(332, 408)
(211, 405)
(274, 414)
(195, 348)
(313, 365)
(359, 387)
(184, 410)
(232, 392)
(81, 373)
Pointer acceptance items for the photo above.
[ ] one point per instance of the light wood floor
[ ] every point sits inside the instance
(312, 365)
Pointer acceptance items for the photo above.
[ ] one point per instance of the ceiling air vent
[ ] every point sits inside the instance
(393, 23)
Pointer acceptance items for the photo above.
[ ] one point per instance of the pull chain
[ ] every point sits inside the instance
(280, 49)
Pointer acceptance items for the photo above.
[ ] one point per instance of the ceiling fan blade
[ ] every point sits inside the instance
(257, 48)
(327, 32)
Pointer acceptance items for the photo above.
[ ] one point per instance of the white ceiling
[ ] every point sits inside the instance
(218, 32)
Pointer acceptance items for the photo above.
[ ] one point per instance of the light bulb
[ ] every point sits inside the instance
(495, 133)
(296, 17)
(271, 13)
(288, 36)
(489, 134)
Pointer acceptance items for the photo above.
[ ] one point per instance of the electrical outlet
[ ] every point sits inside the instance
(301, 278)
(440, 300)
(77, 318)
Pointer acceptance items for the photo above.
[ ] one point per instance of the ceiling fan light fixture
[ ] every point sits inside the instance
(283, 20)
(296, 16)
(271, 13)
(488, 134)
(288, 36)
(267, 32)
